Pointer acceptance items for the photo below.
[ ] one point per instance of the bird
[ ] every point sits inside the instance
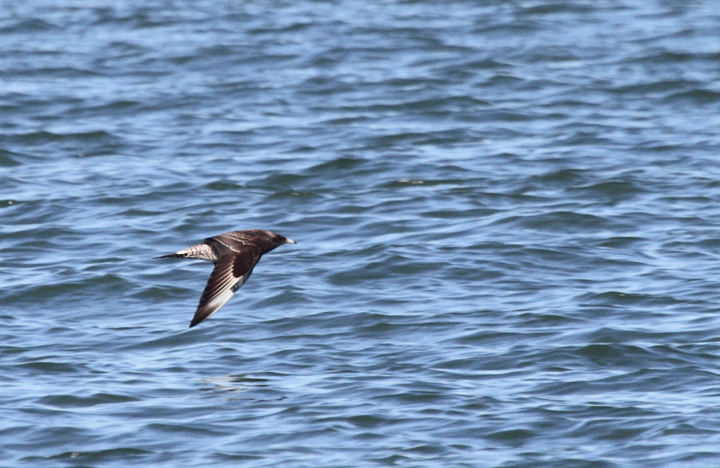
(234, 254)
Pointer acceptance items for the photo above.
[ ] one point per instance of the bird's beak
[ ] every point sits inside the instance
(290, 241)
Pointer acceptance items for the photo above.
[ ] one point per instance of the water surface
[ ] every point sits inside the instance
(506, 217)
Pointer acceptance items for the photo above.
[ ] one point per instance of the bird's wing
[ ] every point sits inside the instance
(231, 271)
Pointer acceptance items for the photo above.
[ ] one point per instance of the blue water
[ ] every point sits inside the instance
(506, 212)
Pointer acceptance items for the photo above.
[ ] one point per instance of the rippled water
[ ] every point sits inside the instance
(506, 213)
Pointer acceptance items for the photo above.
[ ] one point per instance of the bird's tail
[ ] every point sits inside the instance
(200, 251)
(173, 255)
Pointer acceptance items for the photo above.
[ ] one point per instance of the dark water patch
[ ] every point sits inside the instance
(194, 430)
(612, 191)
(25, 26)
(587, 137)
(621, 242)
(699, 97)
(222, 186)
(617, 299)
(564, 178)
(511, 436)
(8, 203)
(398, 140)
(664, 56)
(91, 143)
(445, 105)
(50, 367)
(559, 221)
(67, 72)
(346, 121)
(293, 194)
(12, 350)
(303, 149)
(486, 338)
(659, 87)
(614, 355)
(78, 458)
(122, 106)
(282, 181)
(9, 158)
(336, 166)
(237, 457)
(134, 213)
(73, 401)
(547, 319)
(458, 214)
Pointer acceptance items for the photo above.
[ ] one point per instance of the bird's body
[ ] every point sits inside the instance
(234, 254)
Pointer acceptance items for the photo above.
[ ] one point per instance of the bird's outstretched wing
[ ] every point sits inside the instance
(231, 271)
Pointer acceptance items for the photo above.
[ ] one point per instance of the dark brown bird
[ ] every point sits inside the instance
(234, 254)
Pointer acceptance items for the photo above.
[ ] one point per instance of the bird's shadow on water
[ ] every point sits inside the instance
(233, 386)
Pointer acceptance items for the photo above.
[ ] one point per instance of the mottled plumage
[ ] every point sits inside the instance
(234, 254)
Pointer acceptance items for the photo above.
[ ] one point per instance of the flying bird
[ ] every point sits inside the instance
(234, 254)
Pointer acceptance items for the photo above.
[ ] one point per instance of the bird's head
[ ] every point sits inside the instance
(279, 240)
